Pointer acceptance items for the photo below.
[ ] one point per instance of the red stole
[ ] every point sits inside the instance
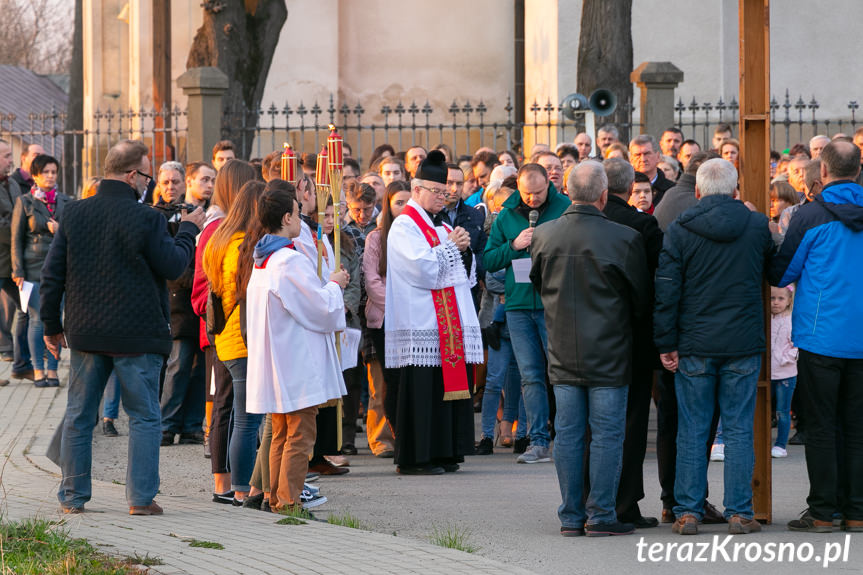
(455, 384)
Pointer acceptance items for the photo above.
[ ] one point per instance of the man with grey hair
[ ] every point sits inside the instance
(816, 144)
(631, 489)
(709, 329)
(644, 155)
(606, 136)
(592, 273)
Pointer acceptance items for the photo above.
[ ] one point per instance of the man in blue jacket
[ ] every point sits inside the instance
(821, 253)
(709, 329)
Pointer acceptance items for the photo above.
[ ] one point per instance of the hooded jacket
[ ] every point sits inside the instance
(821, 253)
(709, 281)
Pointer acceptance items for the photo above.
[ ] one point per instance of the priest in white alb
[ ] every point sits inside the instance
(432, 332)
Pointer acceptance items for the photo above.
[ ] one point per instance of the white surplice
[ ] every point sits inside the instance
(291, 319)
(414, 269)
(305, 243)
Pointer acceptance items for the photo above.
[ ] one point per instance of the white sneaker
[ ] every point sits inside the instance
(778, 452)
(535, 454)
(717, 452)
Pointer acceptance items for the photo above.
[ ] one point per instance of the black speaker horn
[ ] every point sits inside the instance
(573, 105)
(602, 102)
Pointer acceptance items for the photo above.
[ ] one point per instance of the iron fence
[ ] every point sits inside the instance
(467, 127)
(790, 122)
(81, 152)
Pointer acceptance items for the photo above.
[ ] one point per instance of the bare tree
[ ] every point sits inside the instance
(36, 35)
(605, 54)
(239, 37)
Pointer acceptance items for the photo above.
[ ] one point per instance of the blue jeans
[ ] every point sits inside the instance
(602, 408)
(139, 386)
(503, 376)
(699, 382)
(34, 335)
(111, 405)
(184, 392)
(529, 343)
(783, 390)
(243, 447)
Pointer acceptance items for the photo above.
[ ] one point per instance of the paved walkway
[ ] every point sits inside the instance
(253, 542)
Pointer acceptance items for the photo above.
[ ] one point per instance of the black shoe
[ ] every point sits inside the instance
(520, 445)
(41, 382)
(254, 501)
(193, 438)
(167, 438)
(420, 470)
(641, 522)
(349, 449)
(386, 454)
(52, 382)
(712, 516)
(572, 531)
(450, 467)
(108, 429)
(485, 447)
(224, 498)
(606, 529)
(798, 439)
(808, 523)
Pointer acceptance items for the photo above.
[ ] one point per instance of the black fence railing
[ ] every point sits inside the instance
(81, 152)
(791, 121)
(464, 127)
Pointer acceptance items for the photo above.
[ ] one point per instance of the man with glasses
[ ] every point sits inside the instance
(432, 332)
(471, 219)
(116, 318)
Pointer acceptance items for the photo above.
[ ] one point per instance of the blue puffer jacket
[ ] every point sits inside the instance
(821, 252)
(709, 281)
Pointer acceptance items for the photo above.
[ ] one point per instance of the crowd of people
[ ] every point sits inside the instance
(559, 293)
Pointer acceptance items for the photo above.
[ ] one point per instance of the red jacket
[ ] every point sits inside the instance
(200, 287)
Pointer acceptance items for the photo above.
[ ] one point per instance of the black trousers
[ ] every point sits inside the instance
(223, 405)
(630, 489)
(391, 378)
(831, 390)
(354, 381)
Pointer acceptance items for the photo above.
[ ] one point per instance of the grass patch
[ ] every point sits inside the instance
(346, 520)
(453, 537)
(297, 512)
(144, 560)
(205, 544)
(290, 521)
(197, 542)
(42, 547)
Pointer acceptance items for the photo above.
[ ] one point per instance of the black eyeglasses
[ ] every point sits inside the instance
(147, 177)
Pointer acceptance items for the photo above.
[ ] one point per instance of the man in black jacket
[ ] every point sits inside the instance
(110, 259)
(644, 155)
(682, 196)
(592, 276)
(472, 220)
(644, 356)
(709, 329)
(9, 193)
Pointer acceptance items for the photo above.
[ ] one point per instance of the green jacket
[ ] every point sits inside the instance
(499, 252)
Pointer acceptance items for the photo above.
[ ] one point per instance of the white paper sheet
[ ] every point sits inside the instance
(521, 270)
(350, 342)
(24, 293)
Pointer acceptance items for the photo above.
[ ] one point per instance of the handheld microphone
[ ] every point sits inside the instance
(532, 217)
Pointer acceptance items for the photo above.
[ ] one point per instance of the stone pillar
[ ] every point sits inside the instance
(204, 88)
(657, 81)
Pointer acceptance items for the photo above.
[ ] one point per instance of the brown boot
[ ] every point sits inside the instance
(151, 509)
(738, 525)
(686, 525)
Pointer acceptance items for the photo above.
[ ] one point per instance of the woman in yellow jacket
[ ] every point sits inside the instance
(228, 277)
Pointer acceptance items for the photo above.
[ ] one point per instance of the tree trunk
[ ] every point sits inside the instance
(74, 144)
(605, 56)
(239, 37)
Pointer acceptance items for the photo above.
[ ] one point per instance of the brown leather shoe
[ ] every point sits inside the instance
(853, 526)
(712, 516)
(667, 516)
(151, 509)
(686, 525)
(738, 525)
(327, 468)
(72, 510)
